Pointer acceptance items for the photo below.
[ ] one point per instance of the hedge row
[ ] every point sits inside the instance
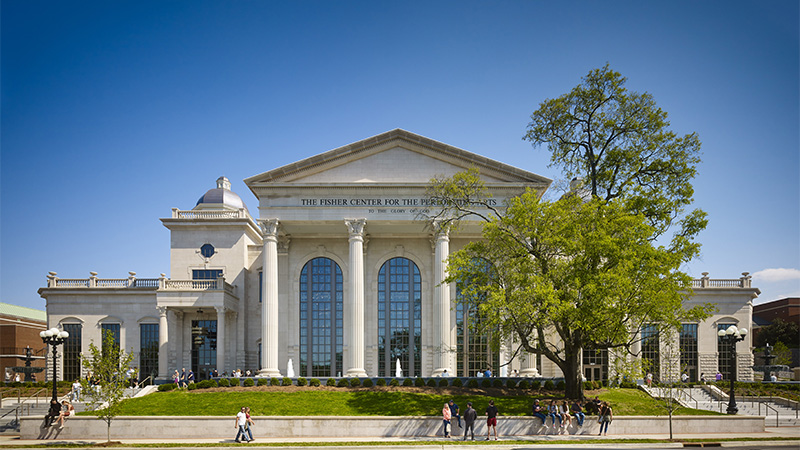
(549, 385)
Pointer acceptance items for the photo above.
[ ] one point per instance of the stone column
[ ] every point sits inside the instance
(179, 332)
(221, 338)
(441, 301)
(163, 341)
(269, 305)
(527, 365)
(354, 305)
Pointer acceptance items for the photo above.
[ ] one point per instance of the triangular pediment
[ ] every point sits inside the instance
(396, 156)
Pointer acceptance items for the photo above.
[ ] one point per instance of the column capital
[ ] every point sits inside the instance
(356, 227)
(221, 309)
(441, 228)
(269, 227)
(162, 311)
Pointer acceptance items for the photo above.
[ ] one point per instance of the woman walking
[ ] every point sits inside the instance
(446, 416)
(249, 422)
(606, 415)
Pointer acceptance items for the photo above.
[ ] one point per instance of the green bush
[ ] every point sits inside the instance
(367, 382)
(224, 382)
(536, 384)
(381, 382)
(355, 382)
(343, 383)
(587, 385)
(301, 381)
(457, 382)
(286, 381)
(394, 382)
(235, 382)
(486, 383)
(192, 386)
(408, 382)
(511, 383)
(249, 382)
(167, 387)
(314, 382)
(472, 383)
(431, 382)
(595, 384)
(205, 384)
(561, 385)
(419, 382)
(274, 381)
(444, 382)
(330, 382)
(549, 385)
(263, 381)
(524, 384)
(497, 382)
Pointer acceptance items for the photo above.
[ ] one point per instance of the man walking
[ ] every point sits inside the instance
(241, 425)
(491, 420)
(470, 416)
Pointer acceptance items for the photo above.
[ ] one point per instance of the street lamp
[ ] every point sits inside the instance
(731, 336)
(54, 337)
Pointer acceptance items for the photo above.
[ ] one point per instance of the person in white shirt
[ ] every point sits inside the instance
(241, 425)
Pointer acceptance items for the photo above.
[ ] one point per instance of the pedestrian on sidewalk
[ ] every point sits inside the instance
(241, 426)
(249, 422)
(491, 420)
(446, 415)
(606, 415)
(470, 416)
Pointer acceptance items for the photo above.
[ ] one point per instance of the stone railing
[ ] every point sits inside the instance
(705, 282)
(241, 213)
(218, 284)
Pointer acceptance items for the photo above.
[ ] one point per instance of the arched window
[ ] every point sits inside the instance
(399, 318)
(321, 315)
(473, 341)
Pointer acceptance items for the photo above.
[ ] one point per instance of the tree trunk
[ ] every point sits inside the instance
(572, 374)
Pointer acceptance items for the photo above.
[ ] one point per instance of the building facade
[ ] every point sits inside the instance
(340, 274)
(19, 331)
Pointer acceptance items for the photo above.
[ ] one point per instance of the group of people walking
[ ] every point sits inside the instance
(243, 422)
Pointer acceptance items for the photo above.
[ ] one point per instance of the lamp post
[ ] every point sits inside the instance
(731, 336)
(54, 337)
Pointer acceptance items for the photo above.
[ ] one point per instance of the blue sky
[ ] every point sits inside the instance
(114, 112)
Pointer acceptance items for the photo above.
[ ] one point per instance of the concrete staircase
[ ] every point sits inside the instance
(777, 411)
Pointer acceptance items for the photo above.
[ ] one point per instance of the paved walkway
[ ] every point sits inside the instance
(594, 441)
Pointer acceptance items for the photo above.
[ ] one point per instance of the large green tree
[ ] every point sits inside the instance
(586, 268)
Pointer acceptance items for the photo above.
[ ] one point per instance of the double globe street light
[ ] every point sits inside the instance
(731, 336)
(54, 337)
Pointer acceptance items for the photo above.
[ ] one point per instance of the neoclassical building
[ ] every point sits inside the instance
(338, 275)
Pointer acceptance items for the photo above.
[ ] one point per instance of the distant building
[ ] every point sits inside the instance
(20, 328)
(785, 309)
(339, 275)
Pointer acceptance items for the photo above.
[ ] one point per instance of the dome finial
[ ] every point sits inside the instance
(223, 183)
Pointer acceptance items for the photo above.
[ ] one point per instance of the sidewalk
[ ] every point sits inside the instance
(399, 443)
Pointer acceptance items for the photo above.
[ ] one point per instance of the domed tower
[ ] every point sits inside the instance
(221, 198)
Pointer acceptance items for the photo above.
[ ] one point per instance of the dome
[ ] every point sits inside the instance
(220, 198)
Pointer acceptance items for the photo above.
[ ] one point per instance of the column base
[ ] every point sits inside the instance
(531, 373)
(356, 373)
(438, 372)
(269, 373)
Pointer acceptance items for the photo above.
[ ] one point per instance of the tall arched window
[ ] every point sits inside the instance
(321, 318)
(399, 318)
(473, 341)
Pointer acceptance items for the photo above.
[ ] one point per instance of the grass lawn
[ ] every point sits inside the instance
(275, 401)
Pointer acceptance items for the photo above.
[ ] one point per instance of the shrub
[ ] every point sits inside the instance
(431, 382)
(330, 382)
(561, 385)
(587, 385)
(343, 382)
(408, 382)
(524, 384)
(235, 382)
(473, 383)
(536, 384)
(205, 384)
(263, 381)
(274, 381)
(486, 383)
(367, 382)
(549, 385)
(167, 387)
(497, 382)
(314, 382)
(419, 382)
(286, 381)
(595, 384)
(394, 382)
(511, 383)
(249, 382)
(191, 386)
(444, 382)
(381, 382)
(301, 381)
(457, 382)
(224, 382)
(355, 382)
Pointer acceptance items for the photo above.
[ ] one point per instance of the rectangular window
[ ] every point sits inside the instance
(595, 364)
(651, 362)
(204, 348)
(206, 274)
(148, 352)
(725, 361)
(112, 328)
(688, 345)
(72, 351)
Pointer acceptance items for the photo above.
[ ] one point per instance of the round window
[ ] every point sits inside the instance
(207, 250)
